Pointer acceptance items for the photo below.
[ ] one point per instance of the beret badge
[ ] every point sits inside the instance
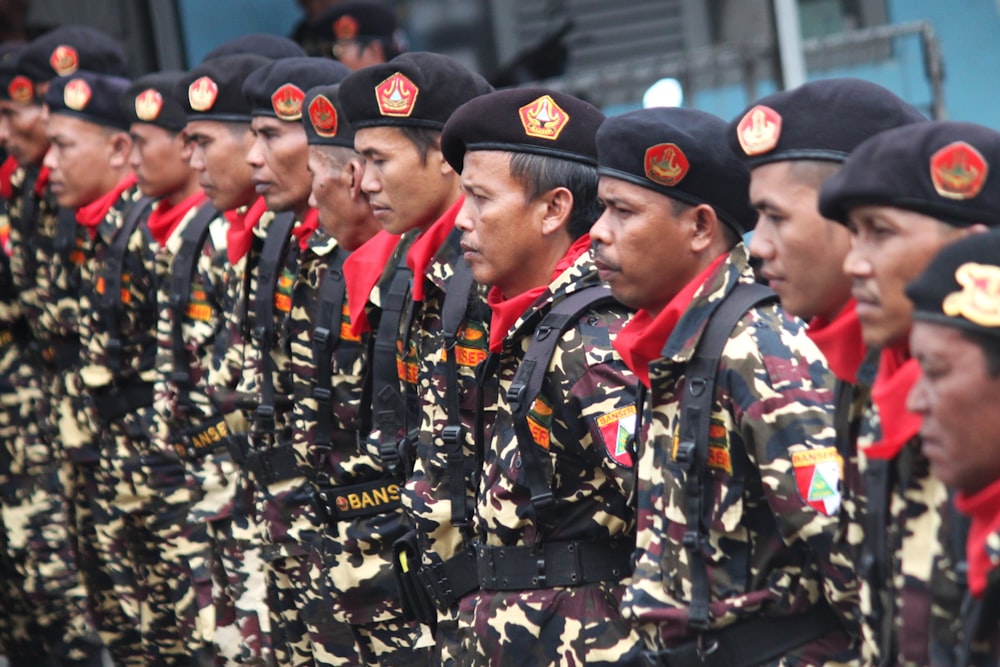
(21, 89)
(323, 116)
(396, 96)
(958, 171)
(76, 94)
(666, 164)
(148, 104)
(543, 118)
(202, 93)
(64, 60)
(287, 102)
(759, 130)
(979, 300)
(346, 27)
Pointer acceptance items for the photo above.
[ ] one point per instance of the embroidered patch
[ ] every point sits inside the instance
(202, 93)
(817, 476)
(323, 116)
(198, 308)
(759, 130)
(345, 326)
(958, 171)
(283, 291)
(346, 27)
(76, 94)
(21, 89)
(543, 118)
(979, 300)
(396, 96)
(540, 422)
(287, 102)
(618, 431)
(666, 164)
(470, 349)
(148, 104)
(64, 60)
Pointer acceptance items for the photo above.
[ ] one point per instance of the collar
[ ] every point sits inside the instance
(362, 269)
(424, 249)
(897, 373)
(840, 342)
(165, 217)
(983, 544)
(239, 233)
(304, 230)
(90, 215)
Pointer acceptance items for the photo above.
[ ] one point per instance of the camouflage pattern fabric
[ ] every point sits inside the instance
(586, 406)
(770, 550)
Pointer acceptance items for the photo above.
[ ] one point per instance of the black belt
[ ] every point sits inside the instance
(117, 401)
(274, 464)
(751, 642)
(209, 436)
(552, 564)
(339, 503)
(447, 582)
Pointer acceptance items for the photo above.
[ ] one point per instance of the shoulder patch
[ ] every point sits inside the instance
(618, 430)
(818, 475)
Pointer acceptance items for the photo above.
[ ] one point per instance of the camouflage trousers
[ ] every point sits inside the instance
(555, 626)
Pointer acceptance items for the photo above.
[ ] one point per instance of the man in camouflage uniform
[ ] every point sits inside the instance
(423, 407)
(54, 529)
(357, 497)
(737, 508)
(218, 129)
(955, 339)
(904, 194)
(284, 504)
(528, 164)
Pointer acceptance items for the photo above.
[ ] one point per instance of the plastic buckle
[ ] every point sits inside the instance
(451, 435)
(322, 393)
(515, 395)
(321, 335)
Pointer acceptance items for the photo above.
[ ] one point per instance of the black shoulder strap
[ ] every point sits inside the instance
(695, 421)
(114, 266)
(66, 230)
(528, 378)
(182, 272)
(387, 399)
(456, 302)
(326, 336)
(271, 261)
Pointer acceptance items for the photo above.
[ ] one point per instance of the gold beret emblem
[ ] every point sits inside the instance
(979, 300)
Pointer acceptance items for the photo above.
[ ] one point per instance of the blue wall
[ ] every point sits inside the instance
(207, 23)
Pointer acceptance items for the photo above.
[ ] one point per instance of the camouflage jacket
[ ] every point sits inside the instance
(770, 549)
(982, 616)
(911, 603)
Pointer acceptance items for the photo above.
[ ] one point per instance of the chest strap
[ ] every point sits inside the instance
(325, 338)
(554, 564)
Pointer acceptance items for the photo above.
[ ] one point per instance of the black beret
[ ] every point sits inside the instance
(90, 97)
(351, 20)
(680, 153)
(260, 44)
(12, 85)
(961, 285)
(324, 118)
(820, 120)
(279, 88)
(939, 168)
(523, 120)
(416, 89)
(65, 50)
(150, 99)
(214, 89)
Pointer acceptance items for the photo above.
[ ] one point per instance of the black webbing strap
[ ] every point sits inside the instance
(268, 269)
(527, 384)
(873, 566)
(553, 564)
(325, 337)
(387, 399)
(66, 230)
(456, 301)
(979, 620)
(114, 265)
(692, 450)
(843, 394)
(26, 224)
(182, 273)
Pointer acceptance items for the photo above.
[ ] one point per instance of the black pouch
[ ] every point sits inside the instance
(417, 605)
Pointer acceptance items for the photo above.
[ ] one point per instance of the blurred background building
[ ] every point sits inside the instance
(718, 54)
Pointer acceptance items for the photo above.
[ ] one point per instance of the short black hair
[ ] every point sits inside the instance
(423, 138)
(541, 173)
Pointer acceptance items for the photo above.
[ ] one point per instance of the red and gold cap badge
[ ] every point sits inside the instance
(396, 96)
(666, 164)
(346, 27)
(958, 171)
(77, 94)
(543, 118)
(202, 93)
(287, 102)
(64, 60)
(759, 130)
(323, 116)
(979, 300)
(21, 89)
(148, 105)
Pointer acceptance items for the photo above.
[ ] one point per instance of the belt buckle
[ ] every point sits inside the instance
(705, 647)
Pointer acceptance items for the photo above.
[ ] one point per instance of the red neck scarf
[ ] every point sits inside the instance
(507, 311)
(42, 181)
(642, 339)
(983, 507)
(239, 234)
(304, 230)
(90, 215)
(840, 342)
(362, 269)
(426, 246)
(897, 373)
(7, 170)
(165, 217)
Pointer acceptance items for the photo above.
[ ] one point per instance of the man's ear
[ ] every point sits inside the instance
(121, 147)
(354, 171)
(558, 207)
(706, 228)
